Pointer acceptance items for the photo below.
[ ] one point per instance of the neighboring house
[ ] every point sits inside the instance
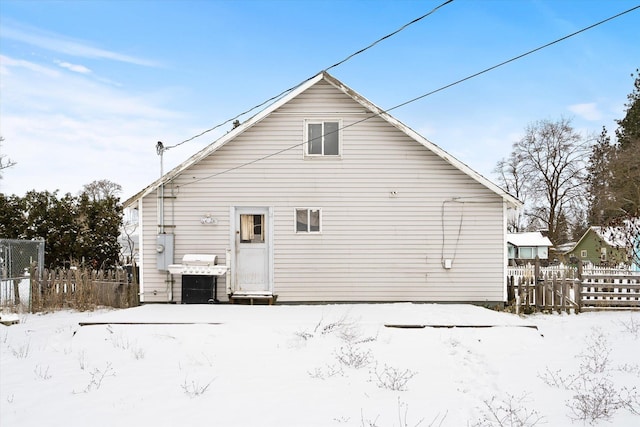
(599, 246)
(526, 247)
(325, 197)
(560, 253)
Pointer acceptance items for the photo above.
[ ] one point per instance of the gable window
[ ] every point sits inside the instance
(307, 220)
(583, 253)
(322, 138)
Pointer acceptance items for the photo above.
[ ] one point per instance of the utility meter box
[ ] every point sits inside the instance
(164, 249)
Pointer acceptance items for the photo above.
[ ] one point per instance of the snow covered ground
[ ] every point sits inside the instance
(317, 365)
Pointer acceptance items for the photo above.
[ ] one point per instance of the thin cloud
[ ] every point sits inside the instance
(53, 117)
(7, 63)
(74, 67)
(587, 111)
(61, 44)
(30, 87)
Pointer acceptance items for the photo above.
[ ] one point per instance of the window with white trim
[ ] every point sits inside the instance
(603, 254)
(322, 138)
(308, 220)
(526, 253)
(583, 253)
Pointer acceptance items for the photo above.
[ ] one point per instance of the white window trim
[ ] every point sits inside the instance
(295, 220)
(583, 253)
(305, 145)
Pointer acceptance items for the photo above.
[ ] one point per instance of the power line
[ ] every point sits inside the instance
(419, 97)
(389, 35)
(286, 91)
(273, 98)
(515, 58)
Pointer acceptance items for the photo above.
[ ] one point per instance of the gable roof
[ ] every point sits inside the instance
(220, 142)
(613, 236)
(618, 236)
(532, 238)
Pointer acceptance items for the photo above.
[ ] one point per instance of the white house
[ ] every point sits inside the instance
(527, 246)
(325, 197)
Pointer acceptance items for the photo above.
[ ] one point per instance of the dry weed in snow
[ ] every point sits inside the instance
(391, 378)
(353, 356)
(595, 395)
(42, 373)
(631, 326)
(97, 376)
(403, 418)
(511, 411)
(195, 388)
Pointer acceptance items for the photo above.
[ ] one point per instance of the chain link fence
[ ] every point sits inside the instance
(17, 258)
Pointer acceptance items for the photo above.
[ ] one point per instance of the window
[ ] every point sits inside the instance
(307, 220)
(526, 253)
(251, 228)
(543, 252)
(323, 139)
(603, 254)
(583, 253)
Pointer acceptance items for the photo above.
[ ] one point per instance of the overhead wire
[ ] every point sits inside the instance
(389, 35)
(515, 58)
(417, 98)
(286, 91)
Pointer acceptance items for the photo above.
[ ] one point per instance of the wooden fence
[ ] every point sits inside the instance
(83, 289)
(572, 289)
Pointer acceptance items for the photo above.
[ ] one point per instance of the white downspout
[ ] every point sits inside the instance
(160, 150)
(227, 261)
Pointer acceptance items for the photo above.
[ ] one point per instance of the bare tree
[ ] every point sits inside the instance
(5, 162)
(511, 177)
(101, 189)
(129, 228)
(550, 163)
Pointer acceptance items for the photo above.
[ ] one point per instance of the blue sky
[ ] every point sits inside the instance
(87, 88)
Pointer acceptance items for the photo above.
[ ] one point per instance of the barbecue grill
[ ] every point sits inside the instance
(199, 277)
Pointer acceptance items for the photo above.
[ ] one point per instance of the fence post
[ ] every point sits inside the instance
(565, 295)
(537, 282)
(31, 288)
(510, 290)
(578, 288)
(555, 292)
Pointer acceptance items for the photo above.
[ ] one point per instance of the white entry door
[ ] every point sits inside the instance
(252, 251)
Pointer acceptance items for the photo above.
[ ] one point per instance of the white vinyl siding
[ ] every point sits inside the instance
(384, 236)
